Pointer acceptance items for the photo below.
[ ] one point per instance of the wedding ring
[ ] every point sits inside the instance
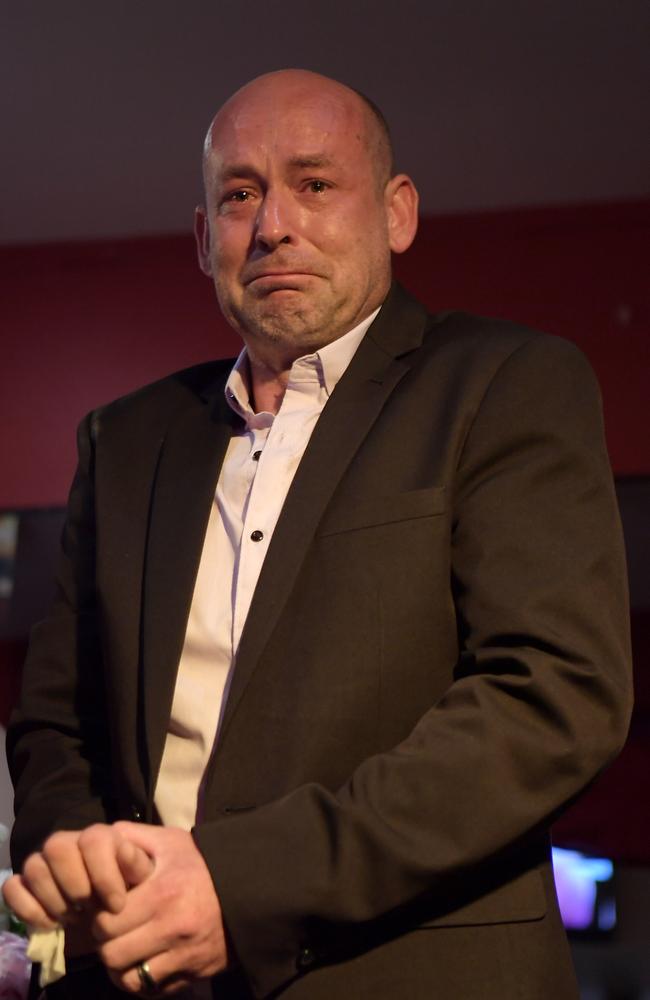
(147, 982)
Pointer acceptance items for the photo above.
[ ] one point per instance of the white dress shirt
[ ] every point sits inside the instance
(257, 471)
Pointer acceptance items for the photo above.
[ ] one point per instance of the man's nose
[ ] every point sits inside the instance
(274, 223)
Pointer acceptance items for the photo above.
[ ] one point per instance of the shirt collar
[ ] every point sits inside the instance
(335, 357)
(331, 362)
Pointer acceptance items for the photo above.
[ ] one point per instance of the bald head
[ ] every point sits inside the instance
(289, 88)
(301, 214)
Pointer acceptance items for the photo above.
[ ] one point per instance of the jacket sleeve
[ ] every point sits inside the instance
(540, 701)
(57, 742)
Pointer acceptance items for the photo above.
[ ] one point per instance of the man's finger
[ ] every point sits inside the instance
(40, 881)
(25, 905)
(170, 968)
(139, 945)
(142, 907)
(134, 863)
(99, 845)
(133, 981)
(147, 836)
(66, 869)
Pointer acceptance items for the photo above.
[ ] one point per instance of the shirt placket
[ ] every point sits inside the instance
(276, 463)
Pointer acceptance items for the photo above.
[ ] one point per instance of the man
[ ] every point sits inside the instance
(403, 615)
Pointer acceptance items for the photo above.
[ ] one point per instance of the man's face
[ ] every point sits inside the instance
(296, 233)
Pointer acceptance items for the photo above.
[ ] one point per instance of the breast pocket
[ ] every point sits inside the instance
(518, 901)
(369, 511)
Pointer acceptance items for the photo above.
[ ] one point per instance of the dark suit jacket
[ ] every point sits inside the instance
(434, 664)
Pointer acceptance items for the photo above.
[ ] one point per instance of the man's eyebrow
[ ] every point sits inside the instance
(242, 171)
(311, 162)
(236, 171)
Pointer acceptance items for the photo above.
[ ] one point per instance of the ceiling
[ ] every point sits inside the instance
(492, 104)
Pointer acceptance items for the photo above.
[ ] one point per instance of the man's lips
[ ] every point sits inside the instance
(281, 278)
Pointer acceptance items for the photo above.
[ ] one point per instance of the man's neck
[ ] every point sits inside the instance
(269, 375)
(267, 387)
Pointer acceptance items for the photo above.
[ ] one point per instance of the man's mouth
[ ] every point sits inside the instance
(272, 280)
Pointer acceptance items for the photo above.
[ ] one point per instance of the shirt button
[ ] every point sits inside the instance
(257, 536)
(256, 456)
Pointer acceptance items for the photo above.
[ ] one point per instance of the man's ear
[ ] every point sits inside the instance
(202, 236)
(401, 201)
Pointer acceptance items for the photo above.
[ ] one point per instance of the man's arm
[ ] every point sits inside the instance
(59, 753)
(58, 741)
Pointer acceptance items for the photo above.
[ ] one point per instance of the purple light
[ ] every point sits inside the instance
(576, 876)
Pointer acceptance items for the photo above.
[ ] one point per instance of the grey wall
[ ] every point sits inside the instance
(500, 103)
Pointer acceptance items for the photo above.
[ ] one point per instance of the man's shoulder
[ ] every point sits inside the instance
(472, 339)
(476, 335)
(485, 345)
(157, 401)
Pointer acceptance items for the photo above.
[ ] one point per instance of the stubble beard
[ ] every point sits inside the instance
(289, 331)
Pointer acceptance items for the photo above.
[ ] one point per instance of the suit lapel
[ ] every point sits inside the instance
(191, 455)
(375, 370)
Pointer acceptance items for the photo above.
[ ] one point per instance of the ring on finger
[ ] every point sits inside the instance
(147, 982)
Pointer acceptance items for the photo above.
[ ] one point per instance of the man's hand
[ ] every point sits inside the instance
(76, 874)
(146, 892)
(172, 919)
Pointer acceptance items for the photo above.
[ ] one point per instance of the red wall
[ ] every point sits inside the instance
(82, 323)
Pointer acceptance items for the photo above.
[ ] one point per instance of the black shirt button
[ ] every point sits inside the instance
(136, 814)
(305, 959)
(256, 456)
(257, 536)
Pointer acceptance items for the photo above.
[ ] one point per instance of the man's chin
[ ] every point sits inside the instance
(281, 321)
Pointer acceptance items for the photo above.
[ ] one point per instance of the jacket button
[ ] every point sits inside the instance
(136, 813)
(306, 958)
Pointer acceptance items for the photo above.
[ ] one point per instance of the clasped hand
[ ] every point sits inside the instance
(130, 892)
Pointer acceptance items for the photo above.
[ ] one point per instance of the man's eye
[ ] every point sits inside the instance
(238, 196)
(318, 187)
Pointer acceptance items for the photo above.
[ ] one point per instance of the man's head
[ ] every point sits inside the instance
(301, 212)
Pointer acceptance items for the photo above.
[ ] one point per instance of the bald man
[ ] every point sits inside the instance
(341, 627)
